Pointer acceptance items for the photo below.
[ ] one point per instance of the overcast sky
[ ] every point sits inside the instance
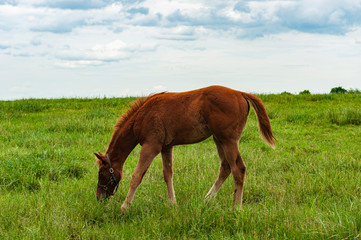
(96, 48)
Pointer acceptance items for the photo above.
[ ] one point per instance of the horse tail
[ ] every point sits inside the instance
(263, 120)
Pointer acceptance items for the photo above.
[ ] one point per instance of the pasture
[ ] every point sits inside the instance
(309, 187)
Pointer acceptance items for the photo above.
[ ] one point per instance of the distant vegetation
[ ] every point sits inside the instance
(335, 90)
(307, 188)
(305, 92)
(339, 90)
(354, 91)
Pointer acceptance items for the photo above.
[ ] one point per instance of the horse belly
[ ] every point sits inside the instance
(189, 134)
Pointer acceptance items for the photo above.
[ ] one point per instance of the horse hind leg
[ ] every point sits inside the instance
(167, 158)
(224, 172)
(238, 169)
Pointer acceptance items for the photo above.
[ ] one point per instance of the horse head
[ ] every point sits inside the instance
(108, 177)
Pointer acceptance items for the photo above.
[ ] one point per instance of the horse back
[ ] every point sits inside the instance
(189, 117)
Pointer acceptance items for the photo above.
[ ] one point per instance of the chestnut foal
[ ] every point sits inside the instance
(164, 120)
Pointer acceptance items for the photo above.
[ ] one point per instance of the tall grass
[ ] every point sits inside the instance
(346, 116)
(308, 188)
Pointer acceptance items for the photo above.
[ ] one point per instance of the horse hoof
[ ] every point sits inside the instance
(124, 209)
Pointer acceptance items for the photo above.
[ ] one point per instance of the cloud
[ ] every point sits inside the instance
(252, 18)
(257, 18)
(181, 33)
(78, 63)
(36, 18)
(104, 31)
(140, 10)
(61, 4)
(64, 26)
(74, 4)
(4, 46)
(8, 2)
(100, 54)
(242, 7)
(325, 17)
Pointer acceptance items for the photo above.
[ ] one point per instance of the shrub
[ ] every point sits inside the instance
(338, 90)
(305, 92)
(354, 91)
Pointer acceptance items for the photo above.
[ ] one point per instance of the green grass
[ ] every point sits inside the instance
(307, 188)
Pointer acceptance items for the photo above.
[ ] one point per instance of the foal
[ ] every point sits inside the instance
(164, 120)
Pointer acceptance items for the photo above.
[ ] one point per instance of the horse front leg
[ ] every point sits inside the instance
(147, 154)
(167, 157)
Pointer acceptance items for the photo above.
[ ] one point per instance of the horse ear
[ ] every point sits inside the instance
(98, 155)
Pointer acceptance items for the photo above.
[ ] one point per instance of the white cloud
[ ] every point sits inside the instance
(100, 54)
(78, 63)
(165, 7)
(252, 18)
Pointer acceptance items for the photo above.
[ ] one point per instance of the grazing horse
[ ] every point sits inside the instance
(164, 120)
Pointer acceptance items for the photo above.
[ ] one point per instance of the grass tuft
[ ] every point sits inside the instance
(346, 116)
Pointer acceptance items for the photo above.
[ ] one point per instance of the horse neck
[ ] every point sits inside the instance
(121, 145)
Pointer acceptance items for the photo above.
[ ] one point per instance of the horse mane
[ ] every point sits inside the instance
(136, 105)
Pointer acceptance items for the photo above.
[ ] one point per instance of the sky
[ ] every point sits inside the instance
(112, 48)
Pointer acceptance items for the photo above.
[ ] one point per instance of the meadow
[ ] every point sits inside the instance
(309, 187)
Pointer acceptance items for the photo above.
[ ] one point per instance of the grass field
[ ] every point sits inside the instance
(309, 187)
